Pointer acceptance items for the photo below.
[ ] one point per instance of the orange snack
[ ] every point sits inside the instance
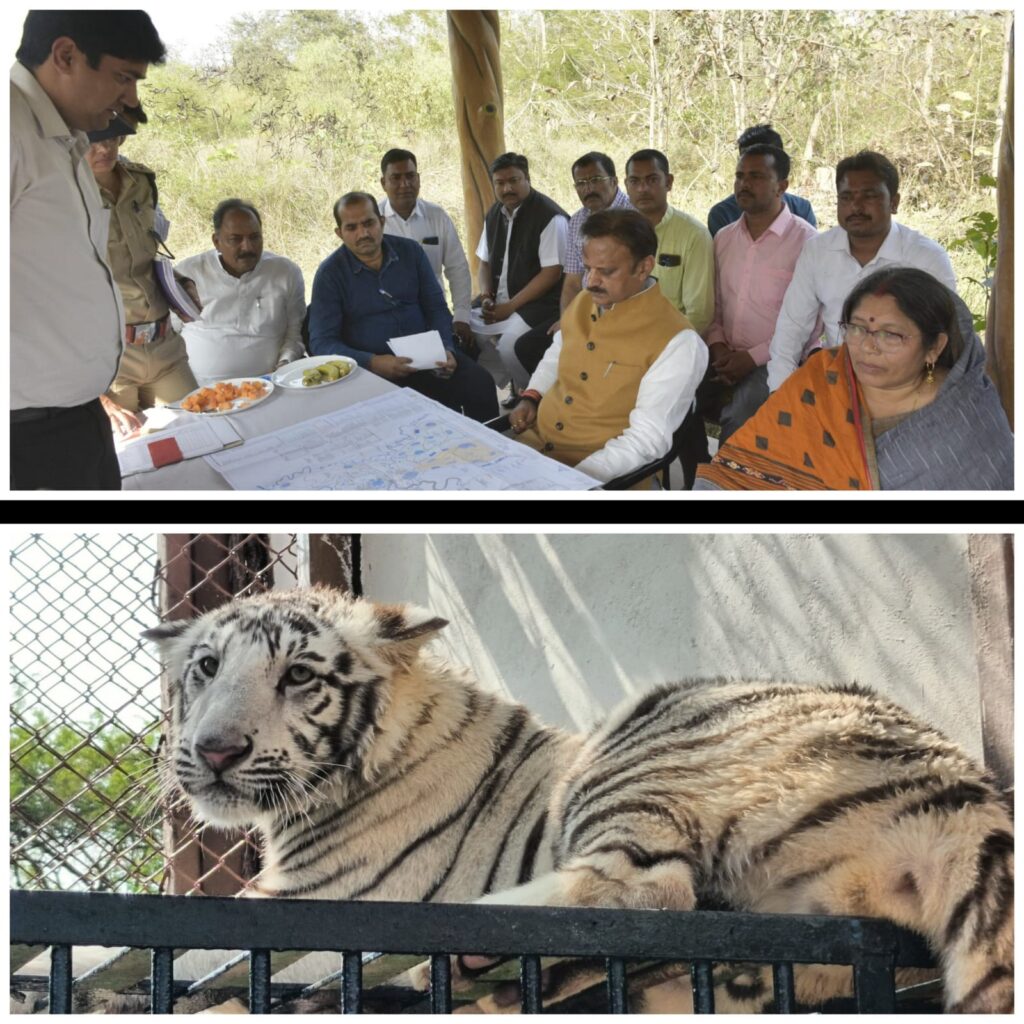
(220, 396)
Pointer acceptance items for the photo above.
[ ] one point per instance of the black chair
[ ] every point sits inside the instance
(681, 440)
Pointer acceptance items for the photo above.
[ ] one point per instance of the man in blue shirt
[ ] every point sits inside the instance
(728, 210)
(376, 287)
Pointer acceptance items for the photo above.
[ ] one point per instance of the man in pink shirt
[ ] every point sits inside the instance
(754, 261)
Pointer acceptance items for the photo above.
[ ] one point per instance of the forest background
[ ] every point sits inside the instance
(290, 109)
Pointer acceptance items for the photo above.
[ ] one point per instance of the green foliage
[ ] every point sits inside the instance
(66, 781)
(307, 101)
(981, 237)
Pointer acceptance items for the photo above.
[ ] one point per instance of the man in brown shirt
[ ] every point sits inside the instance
(154, 366)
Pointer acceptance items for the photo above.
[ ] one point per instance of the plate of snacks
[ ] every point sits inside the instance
(315, 372)
(227, 396)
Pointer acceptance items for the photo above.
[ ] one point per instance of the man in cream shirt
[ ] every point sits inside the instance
(253, 301)
(76, 71)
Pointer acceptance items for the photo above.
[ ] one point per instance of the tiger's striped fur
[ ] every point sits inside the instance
(375, 771)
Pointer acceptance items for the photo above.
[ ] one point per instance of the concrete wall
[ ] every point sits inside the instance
(569, 624)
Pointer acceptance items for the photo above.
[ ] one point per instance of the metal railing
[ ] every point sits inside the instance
(874, 948)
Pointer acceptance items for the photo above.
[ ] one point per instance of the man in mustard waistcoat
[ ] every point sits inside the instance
(623, 370)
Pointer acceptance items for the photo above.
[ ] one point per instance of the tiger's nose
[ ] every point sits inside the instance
(220, 755)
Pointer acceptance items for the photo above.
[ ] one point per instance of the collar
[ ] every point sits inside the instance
(779, 226)
(891, 247)
(666, 217)
(387, 210)
(51, 124)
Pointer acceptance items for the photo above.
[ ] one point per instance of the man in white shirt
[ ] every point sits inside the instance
(76, 71)
(253, 301)
(830, 264)
(624, 366)
(407, 215)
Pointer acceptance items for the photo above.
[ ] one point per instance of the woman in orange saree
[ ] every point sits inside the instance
(902, 404)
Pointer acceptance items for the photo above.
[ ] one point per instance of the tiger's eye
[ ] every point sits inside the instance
(299, 674)
(209, 666)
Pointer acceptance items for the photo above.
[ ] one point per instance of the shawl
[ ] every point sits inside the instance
(814, 433)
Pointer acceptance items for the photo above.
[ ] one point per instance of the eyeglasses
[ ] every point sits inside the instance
(887, 341)
(595, 180)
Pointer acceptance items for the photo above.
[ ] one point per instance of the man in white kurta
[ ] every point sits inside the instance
(253, 301)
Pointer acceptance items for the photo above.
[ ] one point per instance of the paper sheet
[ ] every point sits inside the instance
(399, 441)
(425, 350)
(199, 437)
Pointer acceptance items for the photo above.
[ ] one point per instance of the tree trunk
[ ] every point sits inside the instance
(1004, 80)
(474, 39)
(999, 329)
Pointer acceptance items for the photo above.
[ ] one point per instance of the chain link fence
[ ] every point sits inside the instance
(88, 711)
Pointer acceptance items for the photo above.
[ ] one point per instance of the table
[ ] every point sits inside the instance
(282, 409)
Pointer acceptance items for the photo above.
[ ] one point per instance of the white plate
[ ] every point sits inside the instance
(239, 404)
(290, 377)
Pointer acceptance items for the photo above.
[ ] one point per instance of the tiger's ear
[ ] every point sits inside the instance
(402, 629)
(167, 633)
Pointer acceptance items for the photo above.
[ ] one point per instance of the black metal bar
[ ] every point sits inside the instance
(440, 984)
(618, 1001)
(60, 979)
(703, 986)
(351, 982)
(105, 919)
(529, 976)
(161, 994)
(782, 976)
(259, 980)
(874, 985)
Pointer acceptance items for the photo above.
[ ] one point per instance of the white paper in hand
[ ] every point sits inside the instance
(425, 350)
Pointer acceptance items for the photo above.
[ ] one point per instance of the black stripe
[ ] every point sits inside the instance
(397, 778)
(529, 856)
(994, 850)
(323, 703)
(994, 975)
(635, 721)
(642, 858)
(627, 807)
(343, 663)
(499, 856)
(828, 810)
(952, 798)
(722, 842)
(300, 741)
(805, 876)
(510, 733)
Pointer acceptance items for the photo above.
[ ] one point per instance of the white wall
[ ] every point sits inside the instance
(569, 624)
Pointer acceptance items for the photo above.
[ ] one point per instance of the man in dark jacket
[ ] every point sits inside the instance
(521, 251)
(374, 288)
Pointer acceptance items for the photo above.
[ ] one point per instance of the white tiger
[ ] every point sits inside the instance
(375, 771)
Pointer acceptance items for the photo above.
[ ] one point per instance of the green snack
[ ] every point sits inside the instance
(331, 371)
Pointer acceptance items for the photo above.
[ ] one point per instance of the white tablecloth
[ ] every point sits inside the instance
(282, 409)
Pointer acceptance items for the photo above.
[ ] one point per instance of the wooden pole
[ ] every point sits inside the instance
(474, 39)
(999, 328)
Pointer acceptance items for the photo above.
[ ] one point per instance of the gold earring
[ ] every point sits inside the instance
(929, 374)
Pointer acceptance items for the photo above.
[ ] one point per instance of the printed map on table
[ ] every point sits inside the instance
(395, 442)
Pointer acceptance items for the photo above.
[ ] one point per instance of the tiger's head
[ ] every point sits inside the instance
(277, 698)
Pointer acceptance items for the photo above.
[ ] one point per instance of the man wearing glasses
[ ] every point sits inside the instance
(685, 266)
(598, 188)
(831, 263)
